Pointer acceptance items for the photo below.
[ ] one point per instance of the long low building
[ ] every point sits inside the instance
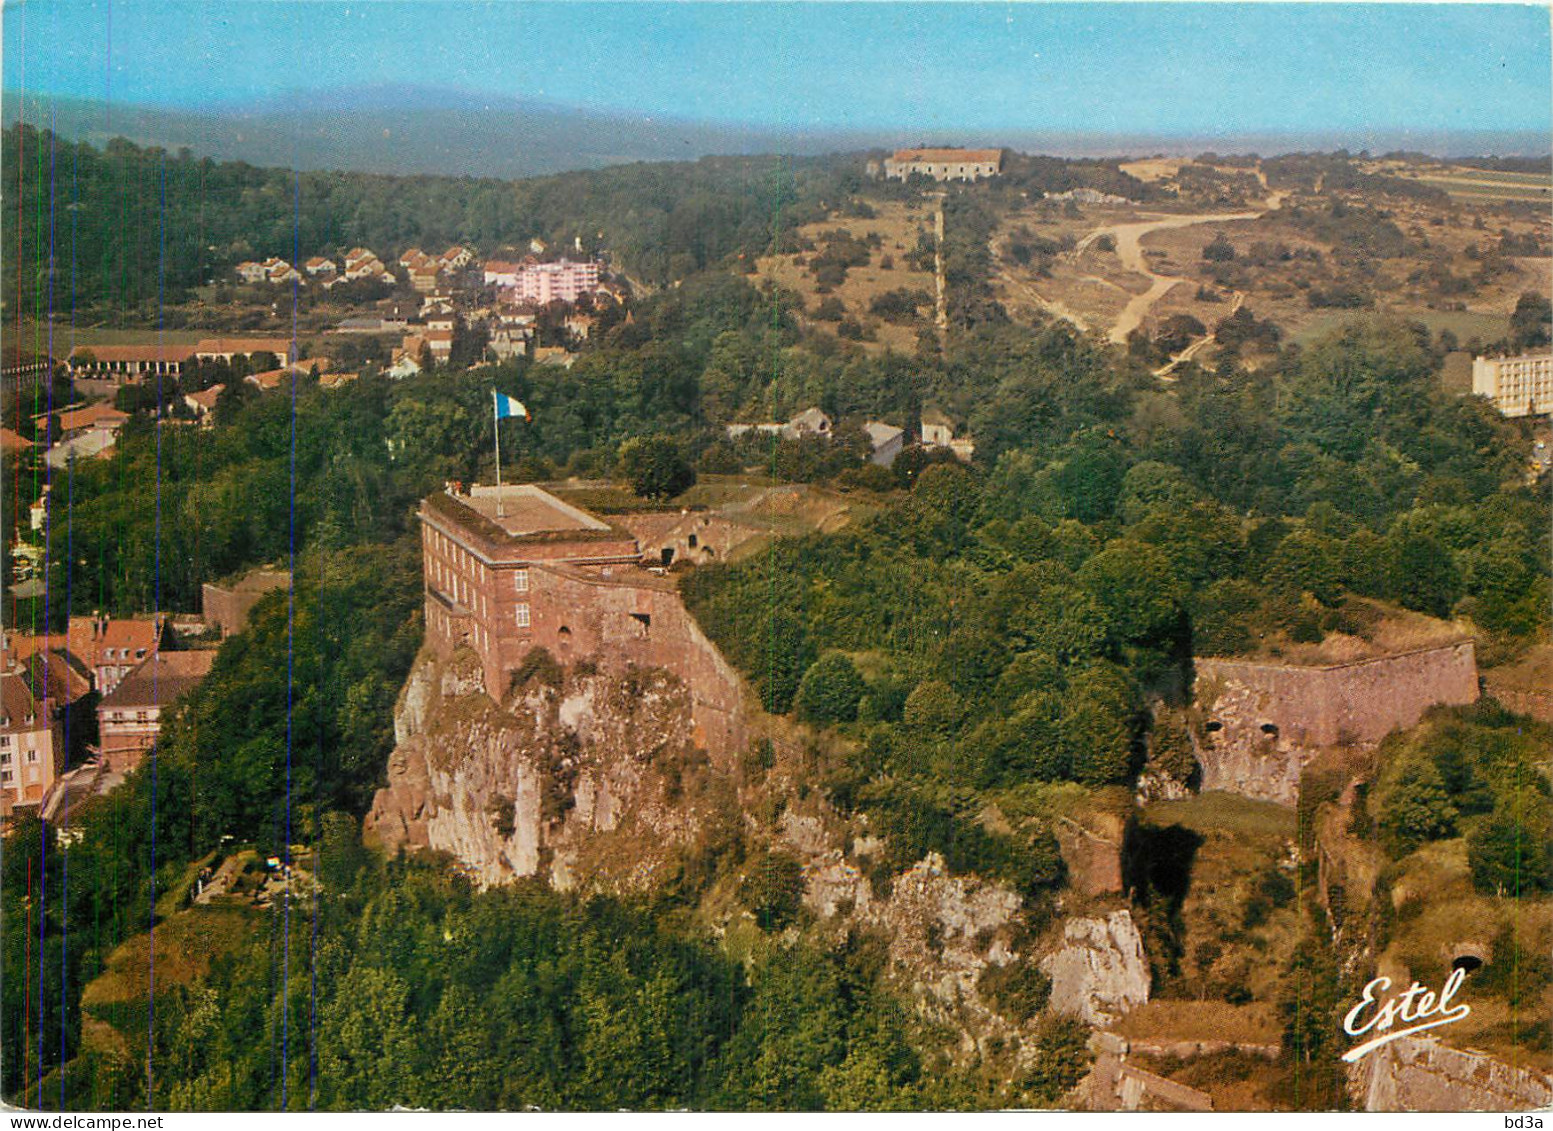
(944, 164)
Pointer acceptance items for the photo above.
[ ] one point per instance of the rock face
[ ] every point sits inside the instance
(1264, 721)
(1101, 971)
(1420, 1074)
(533, 787)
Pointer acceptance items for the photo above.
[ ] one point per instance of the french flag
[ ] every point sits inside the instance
(509, 406)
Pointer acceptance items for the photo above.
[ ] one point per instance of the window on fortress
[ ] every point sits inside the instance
(520, 580)
(1213, 726)
(521, 612)
(1270, 730)
(644, 618)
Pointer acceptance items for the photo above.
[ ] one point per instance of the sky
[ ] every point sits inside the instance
(1134, 68)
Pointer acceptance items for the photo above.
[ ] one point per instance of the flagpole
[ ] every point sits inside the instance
(496, 426)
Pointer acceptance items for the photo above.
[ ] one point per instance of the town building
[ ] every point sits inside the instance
(510, 569)
(100, 416)
(251, 272)
(1517, 386)
(110, 648)
(32, 742)
(129, 719)
(279, 271)
(225, 605)
(944, 164)
(540, 283)
(318, 265)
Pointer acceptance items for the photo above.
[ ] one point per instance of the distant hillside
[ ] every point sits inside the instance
(417, 130)
(410, 131)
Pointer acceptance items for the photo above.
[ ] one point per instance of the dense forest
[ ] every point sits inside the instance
(983, 633)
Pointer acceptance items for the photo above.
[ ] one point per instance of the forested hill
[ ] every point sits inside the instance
(123, 219)
(125, 225)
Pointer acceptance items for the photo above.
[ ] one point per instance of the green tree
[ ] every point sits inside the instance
(829, 691)
(656, 466)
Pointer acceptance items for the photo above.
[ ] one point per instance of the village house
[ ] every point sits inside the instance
(944, 164)
(413, 258)
(129, 719)
(938, 432)
(251, 272)
(510, 569)
(424, 277)
(110, 648)
(456, 257)
(279, 271)
(318, 265)
(99, 416)
(363, 264)
(886, 441)
(14, 441)
(404, 363)
(203, 403)
(507, 343)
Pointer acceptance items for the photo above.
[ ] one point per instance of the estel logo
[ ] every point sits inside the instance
(1413, 1005)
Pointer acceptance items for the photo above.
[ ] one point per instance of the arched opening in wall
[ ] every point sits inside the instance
(668, 555)
(1467, 962)
(1270, 730)
(563, 637)
(1213, 726)
(708, 552)
(691, 541)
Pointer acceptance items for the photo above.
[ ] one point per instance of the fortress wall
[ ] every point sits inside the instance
(1264, 721)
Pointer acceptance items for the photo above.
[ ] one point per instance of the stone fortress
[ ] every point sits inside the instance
(511, 569)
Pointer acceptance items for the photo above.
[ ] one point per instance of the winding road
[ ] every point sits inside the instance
(1129, 239)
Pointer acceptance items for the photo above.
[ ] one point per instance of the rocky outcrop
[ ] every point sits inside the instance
(543, 784)
(1421, 1074)
(1092, 855)
(1101, 971)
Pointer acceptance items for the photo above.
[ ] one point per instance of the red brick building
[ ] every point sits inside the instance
(536, 571)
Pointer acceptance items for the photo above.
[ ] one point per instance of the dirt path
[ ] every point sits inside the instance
(1129, 239)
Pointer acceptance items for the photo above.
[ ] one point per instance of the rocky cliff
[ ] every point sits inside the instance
(582, 775)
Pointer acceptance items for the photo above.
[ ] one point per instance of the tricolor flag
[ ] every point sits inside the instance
(508, 406)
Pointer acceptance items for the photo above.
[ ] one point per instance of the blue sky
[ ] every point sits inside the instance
(1141, 68)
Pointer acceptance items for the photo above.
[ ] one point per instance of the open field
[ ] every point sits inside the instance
(897, 226)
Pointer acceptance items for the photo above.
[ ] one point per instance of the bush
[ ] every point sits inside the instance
(772, 889)
(1017, 990)
(829, 691)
